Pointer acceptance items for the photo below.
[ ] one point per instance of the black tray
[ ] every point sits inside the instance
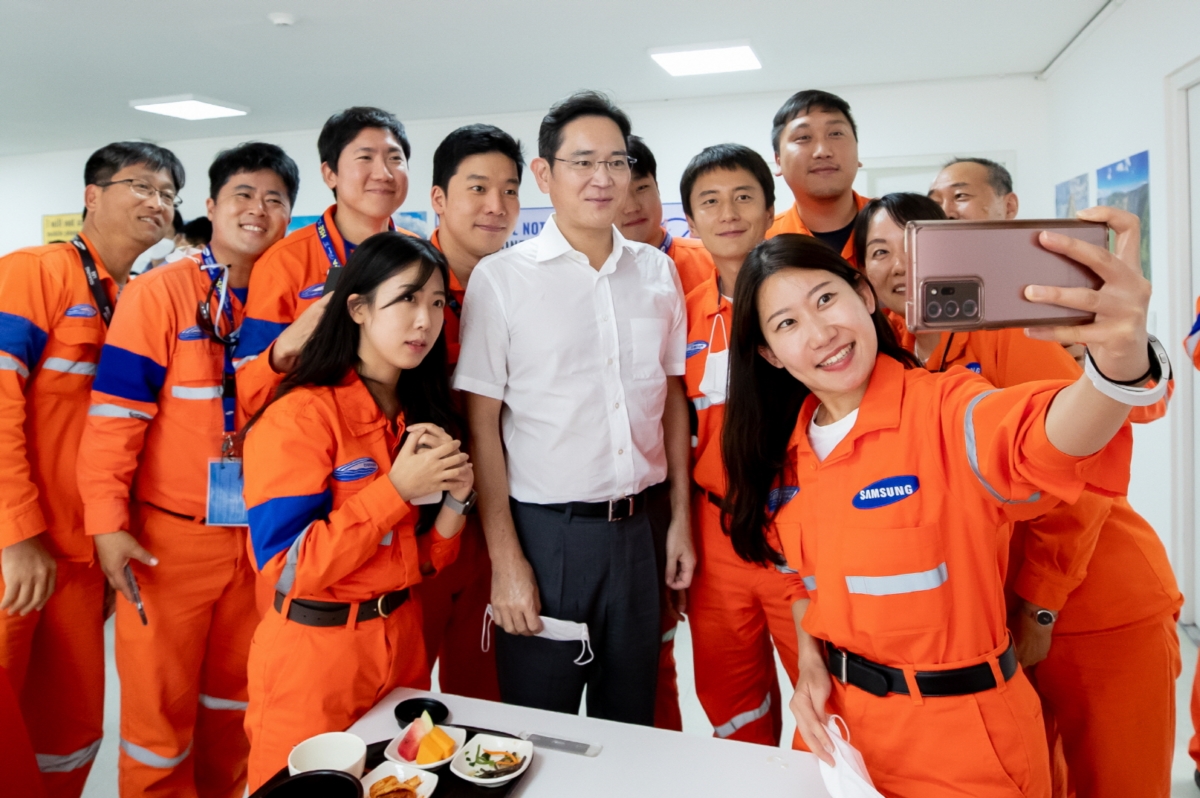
(449, 785)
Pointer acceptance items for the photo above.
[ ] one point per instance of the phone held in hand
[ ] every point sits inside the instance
(137, 594)
(966, 275)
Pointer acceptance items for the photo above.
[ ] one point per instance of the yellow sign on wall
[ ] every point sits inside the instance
(61, 227)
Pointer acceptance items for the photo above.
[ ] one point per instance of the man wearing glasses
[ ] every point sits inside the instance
(572, 352)
(55, 305)
(160, 429)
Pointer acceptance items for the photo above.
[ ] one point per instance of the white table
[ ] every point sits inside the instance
(635, 761)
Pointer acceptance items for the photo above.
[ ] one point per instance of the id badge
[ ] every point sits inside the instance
(226, 505)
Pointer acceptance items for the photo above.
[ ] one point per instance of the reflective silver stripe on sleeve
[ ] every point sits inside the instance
(783, 569)
(669, 635)
(898, 583)
(207, 392)
(973, 454)
(150, 759)
(237, 364)
(65, 763)
(738, 721)
(116, 411)
(387, 539)
(810, 582)
(9, 363)
(702, 402)
(287, 577)
(209, 702)
(70, 366)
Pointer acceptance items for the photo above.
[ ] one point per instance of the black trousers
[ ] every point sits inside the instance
(609, 576)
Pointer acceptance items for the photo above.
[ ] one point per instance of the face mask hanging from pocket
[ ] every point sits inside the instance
(552, 629)
(715, 381)
(848, 778)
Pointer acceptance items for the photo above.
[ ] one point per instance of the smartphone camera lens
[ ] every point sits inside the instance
(951, 309)
(933, 310)
(969, 308)
(948, 290)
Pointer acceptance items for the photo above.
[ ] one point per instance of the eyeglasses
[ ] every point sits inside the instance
(617, 166)
(143, 190)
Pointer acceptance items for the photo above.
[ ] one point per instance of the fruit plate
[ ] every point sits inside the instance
(455, 733)
(462, 766)
(402, 773)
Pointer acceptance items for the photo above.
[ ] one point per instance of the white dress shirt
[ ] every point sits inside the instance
(580, 358)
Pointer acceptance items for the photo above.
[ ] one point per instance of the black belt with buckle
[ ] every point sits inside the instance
(333, 613)
(876, 679)
(614, 509)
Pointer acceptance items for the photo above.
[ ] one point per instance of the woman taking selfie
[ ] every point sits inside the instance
(1092, 599)
(892, 490)
(359, 430)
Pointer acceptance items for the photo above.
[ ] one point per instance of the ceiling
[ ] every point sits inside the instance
(68, 68)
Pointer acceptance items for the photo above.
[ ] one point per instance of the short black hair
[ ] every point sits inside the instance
(112, 158)
(563, 112)
(341, 128)
(902, 206)
(999, 178)
(253, 156)
(471, 140)
(198, 231)
(177, 223)
(726, 156)
(644, 164)
(801, 103)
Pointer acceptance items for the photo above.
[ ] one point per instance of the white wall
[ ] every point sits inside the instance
(897, 123)
(1106, 101)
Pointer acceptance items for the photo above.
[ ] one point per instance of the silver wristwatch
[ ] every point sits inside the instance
(463, 507)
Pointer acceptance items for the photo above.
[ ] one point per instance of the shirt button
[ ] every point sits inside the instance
(616, 405)
(620, 451)
(610, 361)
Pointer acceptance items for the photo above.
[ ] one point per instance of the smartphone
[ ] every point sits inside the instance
(967, 275)
(331, 279)
(559, 744)
(137, 594)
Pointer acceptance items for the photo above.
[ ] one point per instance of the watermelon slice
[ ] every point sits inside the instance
(411, 744)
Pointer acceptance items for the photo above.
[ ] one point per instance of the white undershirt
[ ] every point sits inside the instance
(825, 439)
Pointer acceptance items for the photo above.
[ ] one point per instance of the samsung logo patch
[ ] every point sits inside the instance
(355, 469)
(886, 491)
(313, 291)
(192, 334)
(81, 311)
(696, 347)
(975, 367)
(780, 496)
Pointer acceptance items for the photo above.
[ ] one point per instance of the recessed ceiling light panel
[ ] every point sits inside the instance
(706, 59)
(189, 107)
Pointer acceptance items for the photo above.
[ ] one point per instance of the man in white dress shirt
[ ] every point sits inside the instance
(572, 357)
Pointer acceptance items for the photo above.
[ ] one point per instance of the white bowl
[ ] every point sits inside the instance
(330, 751)
(460, 768)
(392, 752)
(403, 773)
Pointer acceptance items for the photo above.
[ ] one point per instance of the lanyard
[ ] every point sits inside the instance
(665, 246)
(335, 265)
(218, 274)
(103, 303)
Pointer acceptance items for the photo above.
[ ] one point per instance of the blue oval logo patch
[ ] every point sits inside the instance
(355, 469)
(886, 491)
(81, 311)
(696, 347)
(313, 291)
(975, 367)
(781, 496)
(192, 334)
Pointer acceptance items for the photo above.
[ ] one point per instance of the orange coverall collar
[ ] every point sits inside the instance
(880, 408)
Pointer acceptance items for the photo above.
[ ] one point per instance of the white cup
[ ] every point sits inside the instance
(330, 751)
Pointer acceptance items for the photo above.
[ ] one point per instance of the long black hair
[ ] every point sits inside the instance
(764, 402)
(902, 206)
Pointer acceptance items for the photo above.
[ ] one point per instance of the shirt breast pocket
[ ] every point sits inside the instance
(649, 337)
(895, 579)
(197, 375)
(71, 358)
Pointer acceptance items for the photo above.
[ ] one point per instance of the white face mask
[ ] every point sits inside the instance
(848, 778)
(715, 381)
(552, 629)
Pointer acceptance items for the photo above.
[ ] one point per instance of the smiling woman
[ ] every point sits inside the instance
(903, 485)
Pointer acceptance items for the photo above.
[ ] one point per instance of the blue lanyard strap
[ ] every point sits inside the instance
(665, 246)
(327, 243)
(217, 274)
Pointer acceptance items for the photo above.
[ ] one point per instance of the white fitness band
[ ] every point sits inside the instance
(1160, 372)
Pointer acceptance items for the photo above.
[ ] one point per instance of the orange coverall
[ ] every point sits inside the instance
(326, 524)
(692, 261)
(790, 222)
(454, 602)
(50, 337)
(735, 608)
(900, 537)
(157, 419)
(1107, 685)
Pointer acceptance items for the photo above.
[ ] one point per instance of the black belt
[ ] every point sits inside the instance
(614, 509)
(332, 613)
(880, 680)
